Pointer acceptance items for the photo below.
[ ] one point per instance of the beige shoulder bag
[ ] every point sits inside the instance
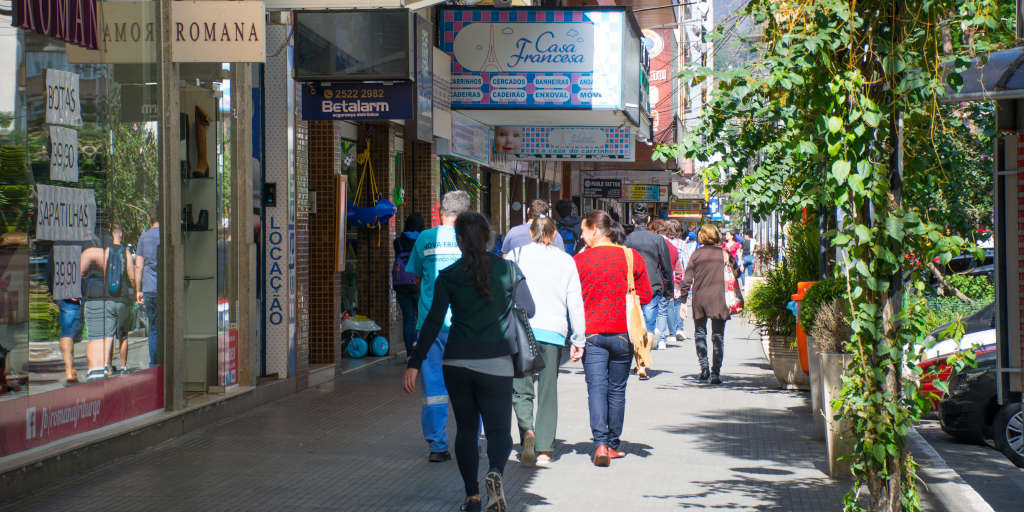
(635, 323)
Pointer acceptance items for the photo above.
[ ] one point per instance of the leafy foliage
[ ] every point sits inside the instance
(821, 293)
(767, 302)
(975, 287)
(844, 92)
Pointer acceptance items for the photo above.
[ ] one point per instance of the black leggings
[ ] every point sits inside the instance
(474, 396)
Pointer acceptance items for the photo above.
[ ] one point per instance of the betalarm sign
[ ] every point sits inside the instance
(217, 31)
(71, 21)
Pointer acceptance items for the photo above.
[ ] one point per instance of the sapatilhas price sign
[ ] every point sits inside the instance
(67, 272)
(63, 154)
(63, 105)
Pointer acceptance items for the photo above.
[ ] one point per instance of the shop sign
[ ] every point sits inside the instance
(127, 35)
(69, 21)
(424, 79)
(645, 193)
(63, 105)
(528, 58)
(227, 359)
(659, 44)
(28, 422)
(610, 143)
(67, 272)
(65, 214)
(63, 154)
(685, 207)
(357, 101)
(471, 140)
(218, 31)
(609, 189)
(715, 208)
(442, 94)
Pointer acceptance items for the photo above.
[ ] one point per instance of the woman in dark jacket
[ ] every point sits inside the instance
(477, 362)
(706, 277)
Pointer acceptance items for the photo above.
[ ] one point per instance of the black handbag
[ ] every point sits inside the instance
(526, 358)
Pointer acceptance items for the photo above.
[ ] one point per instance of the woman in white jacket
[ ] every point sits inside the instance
(555, 286)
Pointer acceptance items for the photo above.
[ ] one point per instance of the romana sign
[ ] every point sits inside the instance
(71, 21)
(217, 31)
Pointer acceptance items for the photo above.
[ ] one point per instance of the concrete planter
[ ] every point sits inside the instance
(817, 402)
(838, 434)
(785, 361)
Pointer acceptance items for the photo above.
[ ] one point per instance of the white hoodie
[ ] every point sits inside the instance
(555, 286)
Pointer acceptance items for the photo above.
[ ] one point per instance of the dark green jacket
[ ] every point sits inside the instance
(478, 329)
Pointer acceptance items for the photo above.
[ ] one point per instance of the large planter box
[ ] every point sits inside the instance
(839, 438)
(785, 361)
(817, 400)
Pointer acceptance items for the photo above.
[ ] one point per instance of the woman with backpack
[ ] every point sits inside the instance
(477, 362)
(604, 281)
(555, 286)
(407, 289)
(706, 276)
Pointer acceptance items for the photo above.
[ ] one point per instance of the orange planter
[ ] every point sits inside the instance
(801, 336)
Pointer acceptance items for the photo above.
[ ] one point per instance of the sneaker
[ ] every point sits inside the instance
(680, 336)
(470, 505)
(704, 374)
(439, 456)
(543, 459)
(715, 379)
(495, 494)
(662, 345)
(528, 457)
(615, 454)
(124, 371)
(96, 374)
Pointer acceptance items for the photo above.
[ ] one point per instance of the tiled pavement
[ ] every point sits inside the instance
(355, 445)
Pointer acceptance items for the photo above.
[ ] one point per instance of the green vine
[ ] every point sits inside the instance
(820, 123)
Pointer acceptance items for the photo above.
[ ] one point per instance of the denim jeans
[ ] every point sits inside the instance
(675, 318)
(700, 335)
(656, 316)
(434, 417)
(748, 268)
(409, 304)
(149, 300)
(606, 365)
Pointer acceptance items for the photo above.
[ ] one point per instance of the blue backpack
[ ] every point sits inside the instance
(115, 270)
(399, 276)
(569, 239)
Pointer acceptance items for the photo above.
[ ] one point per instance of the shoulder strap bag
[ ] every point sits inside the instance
(635, 323)
(526, 359)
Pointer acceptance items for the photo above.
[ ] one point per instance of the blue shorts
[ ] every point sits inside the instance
(70, 319)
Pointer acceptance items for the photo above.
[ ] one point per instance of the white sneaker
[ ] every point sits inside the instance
(661, 345)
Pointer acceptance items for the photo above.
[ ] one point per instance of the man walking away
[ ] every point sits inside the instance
(569, 225)
(519, 235)
(146, 274)
(654, 251)
(436, 249)
(107, 273)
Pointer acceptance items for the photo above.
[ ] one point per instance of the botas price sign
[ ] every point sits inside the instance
(62, 99)
(63, 154)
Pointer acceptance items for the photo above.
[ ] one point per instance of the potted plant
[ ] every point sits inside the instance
(822, 293)
(831, 331)
(767, 304)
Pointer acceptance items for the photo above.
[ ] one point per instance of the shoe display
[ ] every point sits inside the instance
(704, 374)
(202, 165)
(601, 456)
(203, 222)
(715, 379)
(528, 457)
(439, 456)
(495, 494)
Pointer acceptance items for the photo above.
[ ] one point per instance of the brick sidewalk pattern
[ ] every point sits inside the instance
(355, 445)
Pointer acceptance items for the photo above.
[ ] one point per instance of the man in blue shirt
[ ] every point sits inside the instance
(146, 273)
(435, 250)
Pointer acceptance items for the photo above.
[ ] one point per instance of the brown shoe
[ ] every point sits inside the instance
(601, 456)
(615, 454)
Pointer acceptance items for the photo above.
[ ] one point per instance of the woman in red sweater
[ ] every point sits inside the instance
(608, 352)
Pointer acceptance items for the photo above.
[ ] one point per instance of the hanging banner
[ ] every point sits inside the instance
(470, 140)
(65, 214)
(424, 79)
(62, 99)
(685, 208)
(67, 272)
(530, 58)
(645, 193)
(218, 31)
(71, 22)
(357, 101)
(609, 189)
(594, 143)
(63, 154)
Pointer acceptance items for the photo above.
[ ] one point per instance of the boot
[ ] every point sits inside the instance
(202, 165)
(184, 146)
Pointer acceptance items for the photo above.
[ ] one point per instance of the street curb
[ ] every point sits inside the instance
(942, 481)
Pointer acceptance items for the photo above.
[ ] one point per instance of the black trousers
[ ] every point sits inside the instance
(473, 396)
(700, 335)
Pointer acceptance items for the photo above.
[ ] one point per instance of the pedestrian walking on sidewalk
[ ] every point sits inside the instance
(665, 314)
(604, 283)
(555, 286)
(477, 362)
(519, 235)
(674, 234)
(705, 275)
(405, 283)
(436, 249)
(658, 262)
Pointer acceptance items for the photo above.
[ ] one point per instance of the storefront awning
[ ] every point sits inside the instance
(1000, 77)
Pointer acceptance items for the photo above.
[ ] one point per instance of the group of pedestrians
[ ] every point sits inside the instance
(576, 296)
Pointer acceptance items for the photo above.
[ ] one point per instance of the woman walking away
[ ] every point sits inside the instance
(405, 283)
(603, 278)
(477, 364)
(555, 286)
(705, 275)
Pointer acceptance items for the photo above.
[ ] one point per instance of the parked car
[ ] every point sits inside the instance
(971, 412)
(967, 264)
(979, 335)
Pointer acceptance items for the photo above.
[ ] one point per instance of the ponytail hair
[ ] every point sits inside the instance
(473, 232)
(541, 229)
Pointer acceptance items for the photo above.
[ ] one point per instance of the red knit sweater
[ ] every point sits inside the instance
(603, 278)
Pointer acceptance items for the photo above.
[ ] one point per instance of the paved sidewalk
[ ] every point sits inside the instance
(355, 445)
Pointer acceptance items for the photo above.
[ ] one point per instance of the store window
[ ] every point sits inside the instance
(79, 230)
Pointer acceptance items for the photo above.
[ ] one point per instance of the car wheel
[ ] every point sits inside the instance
(1008, 430)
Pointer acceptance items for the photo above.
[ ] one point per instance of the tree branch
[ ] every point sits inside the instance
(945, 284)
